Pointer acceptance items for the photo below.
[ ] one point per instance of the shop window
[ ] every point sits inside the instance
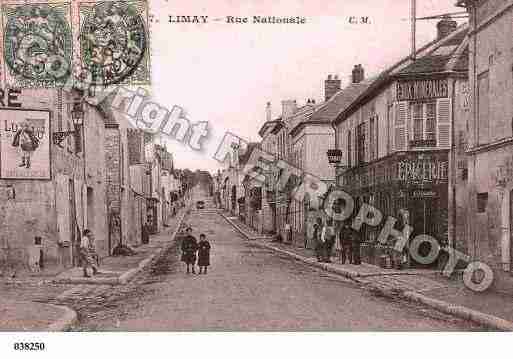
(482, 202)
(423, 118)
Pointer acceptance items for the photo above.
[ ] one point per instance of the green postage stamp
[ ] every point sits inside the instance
(110, 39)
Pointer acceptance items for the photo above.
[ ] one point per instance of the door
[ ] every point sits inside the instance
(424, 221)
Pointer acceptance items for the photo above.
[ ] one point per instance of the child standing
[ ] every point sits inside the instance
(203, 254)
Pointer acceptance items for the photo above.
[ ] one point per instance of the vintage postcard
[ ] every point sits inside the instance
(258, 166)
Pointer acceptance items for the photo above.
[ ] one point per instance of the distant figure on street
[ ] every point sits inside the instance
(88, 253)
(288, 233)
(317, 240)
(203, 254)
(189, 249)
(145, 233)
(346, 243)
(328, 235)
(355, 245)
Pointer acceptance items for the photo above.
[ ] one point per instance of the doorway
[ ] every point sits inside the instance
(424, 221)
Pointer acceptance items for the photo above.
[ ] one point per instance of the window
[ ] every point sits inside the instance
(423, 124)
(431, 121)
(360, 144)
(389, 127)
(483, 103)
(482, 202)
(418, 120)
(371, 138)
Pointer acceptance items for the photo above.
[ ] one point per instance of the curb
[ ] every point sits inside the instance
(65, 322)
(130, 274)
(486, 320)
(127, 276)
(241, 231)
(459, 311)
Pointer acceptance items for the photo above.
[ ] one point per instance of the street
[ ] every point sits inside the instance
(246, 288)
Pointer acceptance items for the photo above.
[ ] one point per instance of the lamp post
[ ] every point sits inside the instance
(77, 116)
(335, 158)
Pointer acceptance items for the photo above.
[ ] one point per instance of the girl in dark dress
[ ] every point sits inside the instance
(189, 248)
(203, 254)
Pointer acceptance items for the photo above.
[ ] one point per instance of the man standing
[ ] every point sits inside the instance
(328, 234)
(318, 240)
(356, 244)
(345, 238)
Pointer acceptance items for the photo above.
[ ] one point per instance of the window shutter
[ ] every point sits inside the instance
(355, 145)
(400, 126)
(443, 122)
(367, 157)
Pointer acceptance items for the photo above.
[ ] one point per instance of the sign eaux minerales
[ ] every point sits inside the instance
(422, 89)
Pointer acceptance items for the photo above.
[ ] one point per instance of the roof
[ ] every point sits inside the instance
(326, 112)
(279, 125)
(437, 60)
(266, 125)
(339, 101)
(243, 159)
(446, 55)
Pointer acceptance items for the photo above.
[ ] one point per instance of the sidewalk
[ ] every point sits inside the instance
(429, 287)
(27, 316)
(121, 269)
(23, 300)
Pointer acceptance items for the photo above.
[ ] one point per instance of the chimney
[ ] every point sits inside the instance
(289, 107)
(268, 113)
(331, 86)
(445, 26)
(358, 74)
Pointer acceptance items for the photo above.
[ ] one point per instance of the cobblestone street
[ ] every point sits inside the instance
(246, 288)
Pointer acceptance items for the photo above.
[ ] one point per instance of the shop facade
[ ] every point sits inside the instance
(415, 184)
(401, 145)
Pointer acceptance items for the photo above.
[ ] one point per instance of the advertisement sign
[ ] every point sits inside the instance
(24, 144)
(422, 89)
(423, 170)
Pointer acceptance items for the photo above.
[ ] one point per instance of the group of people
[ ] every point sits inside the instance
(191, 249)
(344, 239)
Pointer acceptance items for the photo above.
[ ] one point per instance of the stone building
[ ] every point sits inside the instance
(45, 205)
(489, 204)
(398, 139)
(139, 184)
(269, 145)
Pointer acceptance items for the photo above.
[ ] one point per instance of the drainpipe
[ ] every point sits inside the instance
(454, 174)
(474, 132)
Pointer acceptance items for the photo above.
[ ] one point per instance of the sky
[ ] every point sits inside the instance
(226, 73)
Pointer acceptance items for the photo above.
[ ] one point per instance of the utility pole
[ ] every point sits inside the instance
(413, 20)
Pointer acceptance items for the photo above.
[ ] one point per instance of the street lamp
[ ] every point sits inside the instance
(334, 156)
(77, 116)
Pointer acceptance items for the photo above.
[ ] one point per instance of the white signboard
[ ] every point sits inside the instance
(24, 144)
